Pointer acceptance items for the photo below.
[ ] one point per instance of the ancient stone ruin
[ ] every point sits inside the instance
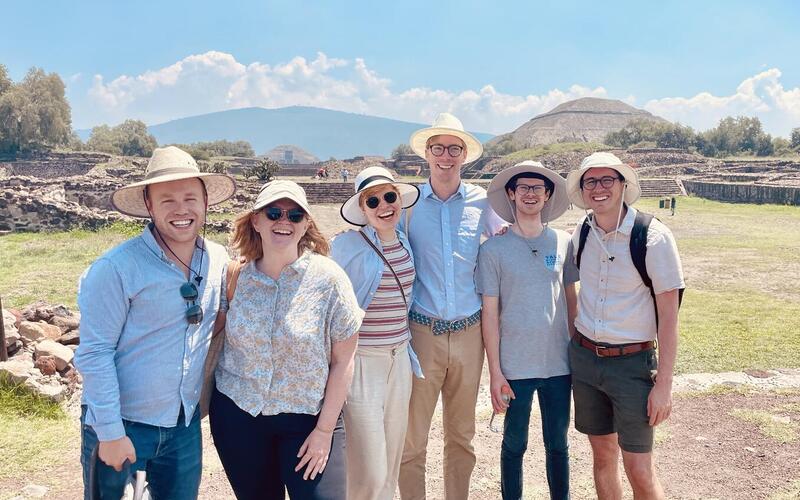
(41, 341)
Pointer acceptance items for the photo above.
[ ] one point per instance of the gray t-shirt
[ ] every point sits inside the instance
(533, 308)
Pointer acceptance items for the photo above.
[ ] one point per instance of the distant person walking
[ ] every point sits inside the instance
(345, 173)
(147, 310)
(620, 389)
(445, 230)
(378, 260)
(527, 283)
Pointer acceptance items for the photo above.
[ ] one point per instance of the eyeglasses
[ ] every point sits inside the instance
(523, 189)
(454, 150)
(294, 215)
(388, 197)
(606, 182)
(194, 313)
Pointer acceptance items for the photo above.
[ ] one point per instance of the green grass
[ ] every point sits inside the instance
(782, 432)
(33, 431)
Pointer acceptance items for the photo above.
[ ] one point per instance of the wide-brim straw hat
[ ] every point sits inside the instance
(166, 165)
(446, 124)
(279, 190)
(371, 177)
(632, 190)
(504, 207)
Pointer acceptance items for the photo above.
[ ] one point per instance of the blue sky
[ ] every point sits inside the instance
(495, 63)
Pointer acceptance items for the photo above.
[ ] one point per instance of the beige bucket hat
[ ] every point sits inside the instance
(502, 205)
(279, 190)
(446, 124)
(603, 160)
(370, 177)
(170, 164)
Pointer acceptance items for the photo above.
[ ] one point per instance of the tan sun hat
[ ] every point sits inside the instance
(446, 124)
(502, 204)
(170, 164)
(370, 177)
(279, 190)
(603, 160)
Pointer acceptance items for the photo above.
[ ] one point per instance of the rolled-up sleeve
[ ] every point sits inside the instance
(104, 307)
(663, 261)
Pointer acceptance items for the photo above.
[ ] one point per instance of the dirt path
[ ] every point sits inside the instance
(730, 443)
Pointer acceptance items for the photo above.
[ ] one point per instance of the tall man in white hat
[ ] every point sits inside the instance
(147, 310)
(527, 283)
(445, 230)
(621, 391)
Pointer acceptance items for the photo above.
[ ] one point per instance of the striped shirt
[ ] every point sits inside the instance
(386, 320)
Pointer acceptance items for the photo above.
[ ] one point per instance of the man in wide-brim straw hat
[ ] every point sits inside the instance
(445, 229)
(147, 310)
(619, 397)
(527, 283)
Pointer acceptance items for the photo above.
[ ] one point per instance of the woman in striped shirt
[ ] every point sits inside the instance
(378, 260)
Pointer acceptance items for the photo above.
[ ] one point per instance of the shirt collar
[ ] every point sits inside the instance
(627, 223)
(426, 190)
(149, 239)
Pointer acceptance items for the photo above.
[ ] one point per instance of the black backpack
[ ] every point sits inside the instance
(638, 247)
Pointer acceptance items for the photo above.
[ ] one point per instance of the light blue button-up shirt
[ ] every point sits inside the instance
(445, 236)
(140, 358)
(363, 266)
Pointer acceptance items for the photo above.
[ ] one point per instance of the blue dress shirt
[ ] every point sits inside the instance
(445, 236)
(140, 358)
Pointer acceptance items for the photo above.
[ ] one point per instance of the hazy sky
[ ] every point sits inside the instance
(494, 64)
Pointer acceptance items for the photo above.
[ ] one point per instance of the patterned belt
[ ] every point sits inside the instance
(440, 326)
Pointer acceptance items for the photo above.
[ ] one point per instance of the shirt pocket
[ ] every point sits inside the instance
(468, 240)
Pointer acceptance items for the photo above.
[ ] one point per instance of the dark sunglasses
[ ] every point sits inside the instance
(388, 197)
(194, 313)
(294, 215)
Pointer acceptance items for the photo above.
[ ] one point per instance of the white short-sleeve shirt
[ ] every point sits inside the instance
(614, 305)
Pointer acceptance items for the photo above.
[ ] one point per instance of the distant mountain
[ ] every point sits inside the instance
(322, 132)
(588, 119)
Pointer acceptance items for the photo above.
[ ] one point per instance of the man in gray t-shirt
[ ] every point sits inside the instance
(527, 282)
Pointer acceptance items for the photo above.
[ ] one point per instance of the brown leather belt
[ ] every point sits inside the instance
(605, 351)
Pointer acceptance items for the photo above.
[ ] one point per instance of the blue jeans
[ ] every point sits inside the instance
(554, 403)
(172, 457)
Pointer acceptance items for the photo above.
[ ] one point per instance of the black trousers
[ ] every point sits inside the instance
(259, 454)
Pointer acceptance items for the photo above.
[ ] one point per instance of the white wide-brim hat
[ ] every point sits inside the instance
(446, 124)
(166, 165)
(504, 207)
(371, 177)
(279, 190)
(632, 191)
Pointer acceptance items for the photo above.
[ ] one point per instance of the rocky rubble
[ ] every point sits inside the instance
(41, 341)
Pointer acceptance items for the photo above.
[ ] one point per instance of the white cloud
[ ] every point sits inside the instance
(762, 95)
(216, 81)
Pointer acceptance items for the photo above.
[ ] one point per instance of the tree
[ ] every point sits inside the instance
(735, 136)
(34, 113)
(264, 170)
(217, 167)
(795, 139)
(130, 138)
(400, 150)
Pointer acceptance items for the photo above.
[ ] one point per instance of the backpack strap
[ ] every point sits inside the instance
(585, 228)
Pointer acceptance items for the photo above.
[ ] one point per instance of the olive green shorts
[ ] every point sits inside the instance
(610, 395)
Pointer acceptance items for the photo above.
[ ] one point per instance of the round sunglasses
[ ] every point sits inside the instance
(373, 201)
(294, 215)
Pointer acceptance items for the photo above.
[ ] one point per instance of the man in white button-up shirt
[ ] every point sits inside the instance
(619, 397)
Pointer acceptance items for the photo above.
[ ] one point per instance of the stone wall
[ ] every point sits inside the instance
(743, 193)
(54, 165)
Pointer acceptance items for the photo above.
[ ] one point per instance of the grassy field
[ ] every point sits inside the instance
(741, 309)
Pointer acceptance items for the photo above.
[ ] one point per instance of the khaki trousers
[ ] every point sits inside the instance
(375, 419)
(452, 364)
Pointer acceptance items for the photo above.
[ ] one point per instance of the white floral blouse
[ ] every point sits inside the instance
(278, 338)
